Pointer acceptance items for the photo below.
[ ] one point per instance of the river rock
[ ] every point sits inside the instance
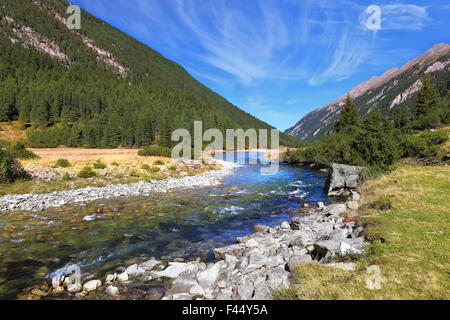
(110, 278)
(278, 279)
(245, 292)
(75, 287)
(300, 239)
(197, 292)
(225, 294)
(112, 291)
(257, 259)
(182, 296)
(150, 264)
(56, 281)
(285, 225)
(134, 270)
(234, 250)
(209, 278)
(337, 209)
(123, 277)
(173, 270)
(92, 285)
(342, 179)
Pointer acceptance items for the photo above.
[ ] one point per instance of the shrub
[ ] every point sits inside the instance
(172, 168)
(434, 137)
(87, 172)
(67, 177)
(19, 151)
(420, 146)
(115, 164)
(133, 173)
(145, 167)
(10, 169)
(158, 163)
(428, 121)
(62, 163)
(154, 169)
(99, 165)
(156, 151)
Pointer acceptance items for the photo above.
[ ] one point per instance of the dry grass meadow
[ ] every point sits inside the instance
(82, 157)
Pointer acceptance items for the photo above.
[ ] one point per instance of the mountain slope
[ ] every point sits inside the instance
(98, 80)
(396, 88)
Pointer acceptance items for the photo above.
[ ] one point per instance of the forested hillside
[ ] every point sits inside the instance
(97, 86)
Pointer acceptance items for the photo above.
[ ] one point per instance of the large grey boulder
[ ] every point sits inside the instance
(184, 283)
(343, 179)
(209, 277)
(234, 250)
(174, 270)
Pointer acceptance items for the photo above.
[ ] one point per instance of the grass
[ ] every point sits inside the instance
(10, 131)
(409, 242)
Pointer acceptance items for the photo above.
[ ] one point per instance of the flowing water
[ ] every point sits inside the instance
(186, 223)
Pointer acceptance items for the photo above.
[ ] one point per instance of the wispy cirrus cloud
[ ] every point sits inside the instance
(252, 41)
(403, 17)
(263, 39)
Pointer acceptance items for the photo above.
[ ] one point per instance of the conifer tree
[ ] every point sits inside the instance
(39, 115)
(427, 102)
(5, 105)
(402, 117)
(349, 117)
(428, 108)
(165, 132)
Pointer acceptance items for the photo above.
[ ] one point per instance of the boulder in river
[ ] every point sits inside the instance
(92, 285)
(343, 179)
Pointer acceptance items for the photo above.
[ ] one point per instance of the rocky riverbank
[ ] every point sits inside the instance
(39, 202)
(254, 268)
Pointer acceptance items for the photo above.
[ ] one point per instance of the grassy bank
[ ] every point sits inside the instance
(410, 242)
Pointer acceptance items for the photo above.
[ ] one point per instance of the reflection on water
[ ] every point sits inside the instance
(187, 223)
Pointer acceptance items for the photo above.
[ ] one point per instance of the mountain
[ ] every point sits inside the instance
(396, 88)
(97, 86)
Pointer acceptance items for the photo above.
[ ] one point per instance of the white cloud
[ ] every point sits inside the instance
(401, 17)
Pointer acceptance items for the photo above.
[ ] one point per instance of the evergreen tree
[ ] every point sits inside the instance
(402, 117)
(376, 144)
(165, 132)
(349, 118)
(39, 115)
(5, 105)
(113, 134)
(427, 102)
(144, 129)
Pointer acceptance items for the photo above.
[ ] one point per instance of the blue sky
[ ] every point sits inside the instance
(280, 59)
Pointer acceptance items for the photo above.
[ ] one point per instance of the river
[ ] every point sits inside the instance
(182, 224)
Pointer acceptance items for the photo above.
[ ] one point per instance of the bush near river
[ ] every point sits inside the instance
(10, 168)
